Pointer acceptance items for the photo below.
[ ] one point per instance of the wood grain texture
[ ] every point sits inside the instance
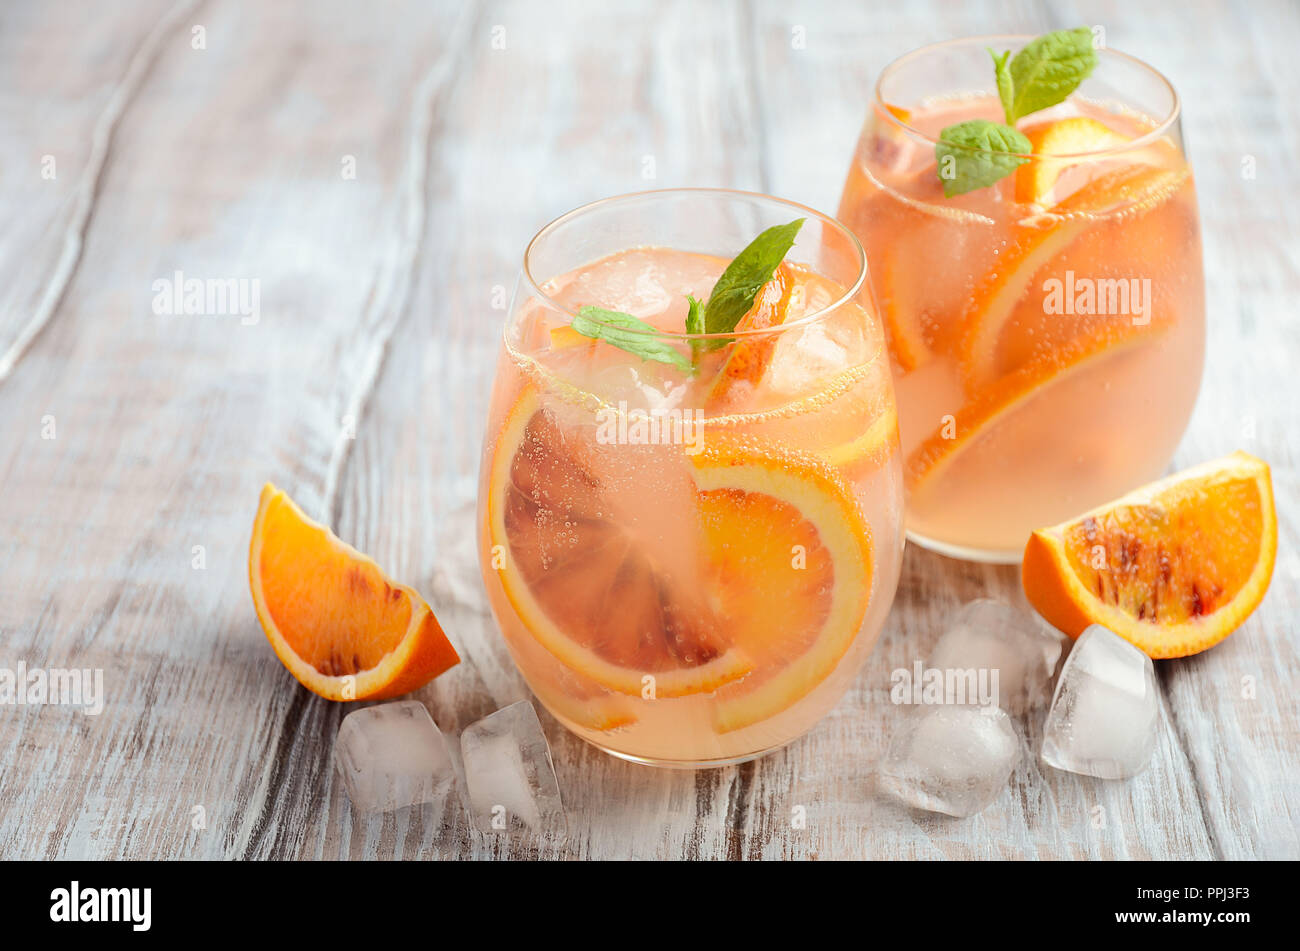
(362, 389)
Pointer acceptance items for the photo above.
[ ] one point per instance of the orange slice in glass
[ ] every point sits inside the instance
(1174, 567)
(790, 567)
(1076, 136)
(873, 444)
(906, 223)
(566, 338)
(333, 618)
(775, 590)
(1130, 193)
(899, 308)
(898, 112)
(994, 403)
(747, 359)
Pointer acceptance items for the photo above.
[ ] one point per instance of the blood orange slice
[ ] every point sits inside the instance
(579, 581)
(789, 559)
(1174, 567)
(333, 618)
(776, 581)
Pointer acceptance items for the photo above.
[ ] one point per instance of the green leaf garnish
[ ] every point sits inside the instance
(694, 322)
(629, 333)
(732, 297)
(1005, 84)
(1048, 69)
(974, 154)
(694, 315)
(734, 294)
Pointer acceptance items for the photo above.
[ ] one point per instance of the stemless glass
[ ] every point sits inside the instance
(1047, 333)
(690, 555)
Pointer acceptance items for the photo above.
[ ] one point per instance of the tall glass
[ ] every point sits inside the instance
(1047, 332)
(690, 556)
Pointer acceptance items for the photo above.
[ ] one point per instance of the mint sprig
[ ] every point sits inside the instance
(731, 298)
(1006, 85)
(629, 333)
(977, 153)
(733, 295)
(1048, 69)
(694, 315)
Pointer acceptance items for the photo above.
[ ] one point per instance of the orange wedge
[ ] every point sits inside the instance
(1131, 193)
(1073, 137)
(748, 359)
(332, 616)
(725, 605)
(1174, 567)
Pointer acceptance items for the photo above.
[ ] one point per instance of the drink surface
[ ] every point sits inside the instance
(690, 567)
(1046, 332)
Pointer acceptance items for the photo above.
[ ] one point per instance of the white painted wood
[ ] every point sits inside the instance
(377, 304)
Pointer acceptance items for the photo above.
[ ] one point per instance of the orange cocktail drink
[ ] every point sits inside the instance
(1041, 288)
(690, 506)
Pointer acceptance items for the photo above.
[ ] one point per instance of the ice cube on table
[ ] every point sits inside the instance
(1106, 711)
(951, 759)
(990, 635)
(509, 774)
(392, 755)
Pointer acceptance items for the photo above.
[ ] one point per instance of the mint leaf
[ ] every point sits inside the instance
(1048, 69)
(973, 154)
(694, 324)
(734, 294)
(1005, 84)
(621, 330)
(694, 315)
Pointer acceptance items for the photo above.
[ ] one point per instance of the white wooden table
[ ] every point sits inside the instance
(219, 139)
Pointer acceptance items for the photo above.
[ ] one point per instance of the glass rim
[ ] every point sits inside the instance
(849, 295)
(1161, 127)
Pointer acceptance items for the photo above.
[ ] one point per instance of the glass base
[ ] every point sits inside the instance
(684, 764)
(985, 555)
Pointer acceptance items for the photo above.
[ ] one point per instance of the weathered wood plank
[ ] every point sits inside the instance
(166, 425)
(53, 167)
(380, 318)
